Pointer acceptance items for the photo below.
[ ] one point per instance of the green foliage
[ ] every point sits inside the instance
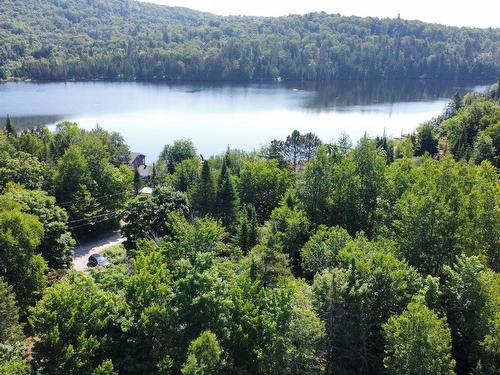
(177, 152)
(204, 195)
(11, 334)
(357, 183)
(146, 215)
(138, 182)
(10, 329)
(356, 298)
(116, 254)
(20, 235)
(9, 127)
(471, 310)
(316, 186)
(105, 368)
(262, 184)
(247, 234)
(191, 294)
(449, 209)
(149, 294)
(187, 240)
(21, 168)
(89, 180)
(426, 140)
(181, 44)
(57, 243)
(77, 325)
(418, 342)
(483, 149)
(72, 182)
(297, 147)
(186, 175)
(204, 356)
(321, 250)
(289, 228)
(404, 148)
(267, 266)
(226, 199)
(14, 367)
(461, 131)
(291, 332)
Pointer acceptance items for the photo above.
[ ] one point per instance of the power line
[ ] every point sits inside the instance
(96, 222)
(92, 217)
(94, 197)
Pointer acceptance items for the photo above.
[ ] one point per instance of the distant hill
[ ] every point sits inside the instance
(122, 39)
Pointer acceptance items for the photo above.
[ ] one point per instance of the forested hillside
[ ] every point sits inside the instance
(302, 258)
(122, 39)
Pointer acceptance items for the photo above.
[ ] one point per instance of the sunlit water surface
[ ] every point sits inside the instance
(244, 116)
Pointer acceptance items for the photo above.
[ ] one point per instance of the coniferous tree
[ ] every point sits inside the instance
(248, 227)
(205, 194)
(153, 176)
(9, 127)
(253, 226)
(226, 199)
(243, 231)
(137, 181)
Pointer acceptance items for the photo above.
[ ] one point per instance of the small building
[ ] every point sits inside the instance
(138, 162)
(137, 159)
(146, 190)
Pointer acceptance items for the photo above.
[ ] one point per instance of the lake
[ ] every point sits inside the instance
(244, 116)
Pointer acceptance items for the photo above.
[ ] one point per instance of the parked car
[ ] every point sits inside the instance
(97, 260)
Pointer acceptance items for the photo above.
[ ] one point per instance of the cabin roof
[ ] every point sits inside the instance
(144, 170)
(135, 155)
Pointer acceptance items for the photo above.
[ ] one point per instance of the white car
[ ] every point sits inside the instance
(97, 260)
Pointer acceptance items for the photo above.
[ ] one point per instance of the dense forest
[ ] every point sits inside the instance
(124, 39)
(302, 258)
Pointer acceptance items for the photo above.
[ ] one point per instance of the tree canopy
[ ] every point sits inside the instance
(114, 39)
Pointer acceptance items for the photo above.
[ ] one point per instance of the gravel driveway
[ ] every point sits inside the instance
(97, 245)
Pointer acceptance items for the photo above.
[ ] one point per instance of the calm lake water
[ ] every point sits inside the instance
(243, 116)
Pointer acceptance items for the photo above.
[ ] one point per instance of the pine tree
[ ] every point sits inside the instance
(243, 231)
(9, 127)
(153, 176)
(253, 226)
(457, 102)
(226, 199)
(205, 195)
(137, 181)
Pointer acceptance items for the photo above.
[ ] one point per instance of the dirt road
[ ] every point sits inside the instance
(97, 245)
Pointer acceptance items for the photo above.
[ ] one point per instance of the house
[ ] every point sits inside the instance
(138, 162)
(136, 159)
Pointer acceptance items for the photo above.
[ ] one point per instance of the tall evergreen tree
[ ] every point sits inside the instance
(253, 226)
(248, 227)
(137, 181)
(153, 176)
(205, 194)
(226, 199)
(9, 127)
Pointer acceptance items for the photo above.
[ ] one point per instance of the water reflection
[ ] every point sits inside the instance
(28, 122)
(340, 94)
(215, 115)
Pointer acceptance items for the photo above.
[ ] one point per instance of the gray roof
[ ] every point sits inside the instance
(144, 171)
(134, 155)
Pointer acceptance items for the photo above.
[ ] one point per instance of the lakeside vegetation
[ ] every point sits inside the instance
(118, 39)
(303, 258)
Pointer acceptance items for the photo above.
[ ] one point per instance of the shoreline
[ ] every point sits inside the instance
(236, 82)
